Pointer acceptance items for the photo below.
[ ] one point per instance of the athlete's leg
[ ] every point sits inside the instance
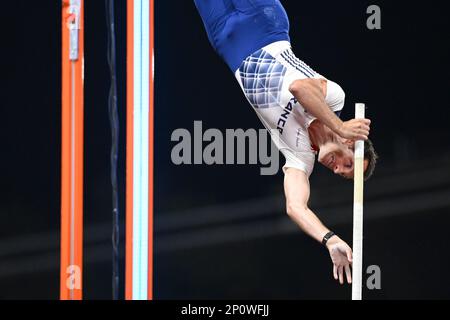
(248, 5)
(271, 11)
(212, 10)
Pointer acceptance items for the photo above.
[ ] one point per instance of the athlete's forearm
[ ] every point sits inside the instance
(311, 96)
(308, 222)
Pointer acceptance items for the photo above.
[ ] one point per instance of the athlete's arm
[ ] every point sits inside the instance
(296, 189)
(311, 94)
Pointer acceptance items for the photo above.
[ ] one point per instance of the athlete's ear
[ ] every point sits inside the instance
(350, 144)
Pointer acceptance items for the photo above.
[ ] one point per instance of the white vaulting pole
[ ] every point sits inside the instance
(358, 195)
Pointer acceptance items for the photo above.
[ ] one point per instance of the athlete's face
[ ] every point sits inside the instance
(338, 157)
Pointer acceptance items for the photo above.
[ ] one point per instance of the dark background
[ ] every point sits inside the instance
(221, 231)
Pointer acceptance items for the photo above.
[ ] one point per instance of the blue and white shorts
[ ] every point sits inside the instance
(265, 74)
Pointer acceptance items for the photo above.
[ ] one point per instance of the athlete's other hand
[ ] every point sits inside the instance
(355, 129)
(341, 256)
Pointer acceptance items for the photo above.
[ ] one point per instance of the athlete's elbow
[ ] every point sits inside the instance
(295, 210)
(300, 88)
(296, 86)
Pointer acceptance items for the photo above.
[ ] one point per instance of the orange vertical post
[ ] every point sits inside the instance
(71, 272)
(151, 149)
(130, 143)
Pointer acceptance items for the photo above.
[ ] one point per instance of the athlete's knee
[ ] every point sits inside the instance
(335, 97)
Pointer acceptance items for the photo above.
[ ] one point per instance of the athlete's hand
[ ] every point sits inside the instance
(355, 129)
(341, 256)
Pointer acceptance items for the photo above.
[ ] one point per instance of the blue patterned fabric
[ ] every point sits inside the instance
(262, 79)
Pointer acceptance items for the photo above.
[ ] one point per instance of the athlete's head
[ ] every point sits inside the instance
(337, 155)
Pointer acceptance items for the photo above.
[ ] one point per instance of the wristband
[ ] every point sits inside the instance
(327, 237)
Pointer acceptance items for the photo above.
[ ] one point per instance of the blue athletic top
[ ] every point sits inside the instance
(238, 28)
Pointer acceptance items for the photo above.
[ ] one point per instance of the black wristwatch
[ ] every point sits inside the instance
(327, 237)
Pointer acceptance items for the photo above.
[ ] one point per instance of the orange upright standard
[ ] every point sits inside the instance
(71, 273)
